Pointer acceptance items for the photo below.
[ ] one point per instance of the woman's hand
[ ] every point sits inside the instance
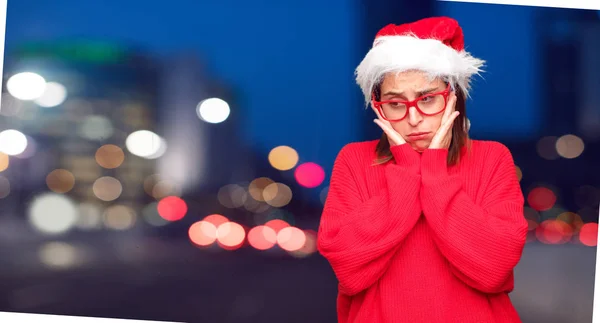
(443, 136)
(393, 137)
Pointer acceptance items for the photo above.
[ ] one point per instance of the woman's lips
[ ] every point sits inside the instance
(418, 135)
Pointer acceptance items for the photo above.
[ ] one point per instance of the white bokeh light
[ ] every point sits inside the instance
(12, 142)
(145, 144)
(26, 86)
(54, 94)
(52, 213)
(213, 110)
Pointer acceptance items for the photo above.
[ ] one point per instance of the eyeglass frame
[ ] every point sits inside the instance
(413, 103)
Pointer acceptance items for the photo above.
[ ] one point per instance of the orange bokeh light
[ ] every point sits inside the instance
(230, 235)
(203, 233)
(291, 239)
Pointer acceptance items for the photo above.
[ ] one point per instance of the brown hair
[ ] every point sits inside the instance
(460, 134)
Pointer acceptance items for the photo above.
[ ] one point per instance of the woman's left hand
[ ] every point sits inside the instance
(443, 136)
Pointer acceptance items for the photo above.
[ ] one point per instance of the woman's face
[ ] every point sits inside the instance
(417, 129)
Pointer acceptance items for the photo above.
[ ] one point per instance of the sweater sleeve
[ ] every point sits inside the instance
(483, 242)
(359, 235)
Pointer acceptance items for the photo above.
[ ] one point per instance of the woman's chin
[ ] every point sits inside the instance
(419, 147)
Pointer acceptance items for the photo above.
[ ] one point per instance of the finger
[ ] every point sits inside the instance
(448, 125)
(450, 107)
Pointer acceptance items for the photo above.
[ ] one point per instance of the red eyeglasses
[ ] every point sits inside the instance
(428, 105)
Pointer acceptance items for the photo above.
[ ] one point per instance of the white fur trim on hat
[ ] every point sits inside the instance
(394, 54)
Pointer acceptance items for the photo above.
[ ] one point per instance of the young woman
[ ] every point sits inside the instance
(424, 224)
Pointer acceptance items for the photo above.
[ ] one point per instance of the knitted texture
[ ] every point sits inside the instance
(415, 241)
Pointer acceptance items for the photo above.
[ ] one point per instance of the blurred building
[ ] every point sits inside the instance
(97, 94)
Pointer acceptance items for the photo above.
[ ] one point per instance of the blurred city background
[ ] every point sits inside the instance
(169, 161)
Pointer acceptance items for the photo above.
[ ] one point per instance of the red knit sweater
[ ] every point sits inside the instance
(415, 241)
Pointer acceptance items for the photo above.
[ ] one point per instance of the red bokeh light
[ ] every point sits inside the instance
(309, 175)
(172, 208)
(216, 219)
(554, 232)
(277, 225)
(541, 198)
(262, 237)
(588, 234)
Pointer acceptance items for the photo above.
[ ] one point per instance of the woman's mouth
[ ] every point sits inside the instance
(418, 135)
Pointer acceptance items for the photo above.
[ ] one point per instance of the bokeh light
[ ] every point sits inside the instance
(262, 237)
(309, 175)
(291, 239)
(30, 149)
(119, 217)
(172, 208)
(58, 255)
(546, 148)
(26, 86)
(554, 232)
(232, 196)
(283, 158)
(110, 156)
(569, 146)
(52, 213)
(12, 142)
(519, 173)
(54, 94)
(202, 233)
(96, 128)
(257, 187)
(541, 198)
(277, 194)
(107, 188)
(216, 219)
(151, 216)
(164, 188)
(309, 247)
(145, 144)
(572, 219)
(60, 181)
(231, 235)
(213, 110)
(90, 217)
(4, 161)
(277, 225)
(588, 235)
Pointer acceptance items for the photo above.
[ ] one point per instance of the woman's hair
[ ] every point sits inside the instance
(460, 133)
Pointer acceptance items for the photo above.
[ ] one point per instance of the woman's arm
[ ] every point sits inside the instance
(483, 242)
(359, 236)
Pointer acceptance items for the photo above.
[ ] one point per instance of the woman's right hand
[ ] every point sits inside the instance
(393, 137)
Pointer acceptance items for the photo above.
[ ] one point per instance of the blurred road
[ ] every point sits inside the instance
(156, 280)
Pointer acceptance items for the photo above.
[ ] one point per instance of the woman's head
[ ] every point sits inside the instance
(412, 60)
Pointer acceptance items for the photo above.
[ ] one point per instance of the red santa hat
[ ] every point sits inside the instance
(432, 45)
